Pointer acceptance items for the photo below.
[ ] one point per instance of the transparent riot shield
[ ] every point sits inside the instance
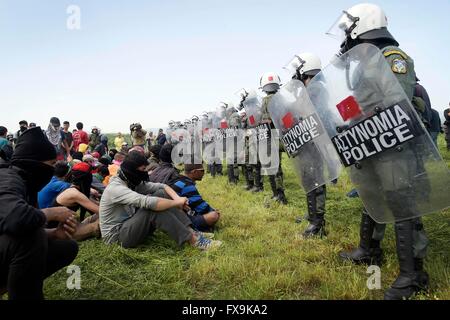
(396, 168)
(304, 137)
(234, 138)
(252, 106)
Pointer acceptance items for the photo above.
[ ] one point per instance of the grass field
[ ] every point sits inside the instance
(263, 256)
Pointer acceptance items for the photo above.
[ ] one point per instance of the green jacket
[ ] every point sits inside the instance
(403, 68)
(265, 108)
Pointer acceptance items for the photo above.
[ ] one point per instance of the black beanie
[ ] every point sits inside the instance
(165, 155)
(34, 145)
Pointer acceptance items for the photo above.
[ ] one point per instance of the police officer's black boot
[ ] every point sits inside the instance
(273, 186)
(213, 170)
(282, 197)
(369, 251)
(316, 213)
(230, 173)
(410, 280)
(236, 174)
(248, 178)
(219, 169)
(259, 186)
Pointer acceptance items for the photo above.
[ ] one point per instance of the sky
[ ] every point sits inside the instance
(155, 61)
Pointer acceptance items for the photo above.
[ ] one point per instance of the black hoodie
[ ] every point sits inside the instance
(18, 214)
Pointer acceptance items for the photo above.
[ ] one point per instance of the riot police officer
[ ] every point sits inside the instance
(247, 171)
(367, 23)
(307, 66)
(270, 84)
(234, 124)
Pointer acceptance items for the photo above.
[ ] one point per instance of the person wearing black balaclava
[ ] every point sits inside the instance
(28, 252)
(166, 171)
(153, 158)
(23, 126)
(132, 208)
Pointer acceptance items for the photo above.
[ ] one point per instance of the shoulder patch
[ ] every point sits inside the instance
(397, 52)
(399, 66)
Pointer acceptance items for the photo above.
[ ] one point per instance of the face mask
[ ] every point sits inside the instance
(22, 129)
(39, 173)
(134, 177)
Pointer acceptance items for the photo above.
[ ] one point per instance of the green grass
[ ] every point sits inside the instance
(262, 257)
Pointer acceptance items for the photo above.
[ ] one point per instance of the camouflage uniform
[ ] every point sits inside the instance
(276, 181)
(253, 175)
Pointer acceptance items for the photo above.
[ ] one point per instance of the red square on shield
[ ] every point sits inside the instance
(348, 108)
(223, 125)
(288, 120)
(252, 120)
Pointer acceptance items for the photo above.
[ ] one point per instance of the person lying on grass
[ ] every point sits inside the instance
(77, 197)
(132, 208)
(202, 215)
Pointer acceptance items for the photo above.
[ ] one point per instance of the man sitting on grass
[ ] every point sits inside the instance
(29, 252)
(202, 215)
(132, 208)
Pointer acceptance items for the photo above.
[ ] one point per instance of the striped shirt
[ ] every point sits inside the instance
(185, 187)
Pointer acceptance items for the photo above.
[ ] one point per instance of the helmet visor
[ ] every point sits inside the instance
(241, 93)
(293, 64)
(343, 26)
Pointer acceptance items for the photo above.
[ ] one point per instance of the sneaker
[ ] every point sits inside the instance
(203, 243)
(208, 235)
